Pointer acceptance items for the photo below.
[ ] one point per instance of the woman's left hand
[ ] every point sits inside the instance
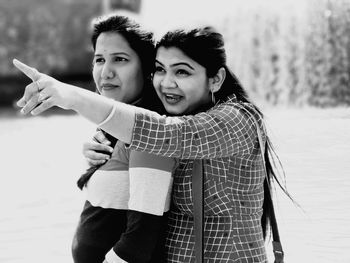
(44, 92)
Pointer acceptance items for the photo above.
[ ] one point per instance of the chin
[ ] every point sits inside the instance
(112, 95)
(173, 110)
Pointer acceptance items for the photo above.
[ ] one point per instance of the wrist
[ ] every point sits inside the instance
(72, 98)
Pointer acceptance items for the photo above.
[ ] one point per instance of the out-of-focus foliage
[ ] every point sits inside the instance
(51, 35)
(294, 55)
(48, 34)
(285, 53)
(328, 53)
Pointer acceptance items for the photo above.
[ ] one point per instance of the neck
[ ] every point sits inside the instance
(203, 108)
(136, 101)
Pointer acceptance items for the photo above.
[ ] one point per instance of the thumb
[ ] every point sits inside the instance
(21, 102)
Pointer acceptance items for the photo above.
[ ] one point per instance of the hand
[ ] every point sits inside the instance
(44, 92)
(98, 150)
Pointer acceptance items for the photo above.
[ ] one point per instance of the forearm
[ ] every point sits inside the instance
(90, 105)
(97, 109)
(220, 132)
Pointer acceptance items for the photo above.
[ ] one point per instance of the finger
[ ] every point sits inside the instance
(94, 146)
(32, 73)
(45, 105)
(31, 104)
(95, 138)
(29, 92)
(106, 142)
(21, 102)
(95, 162)
(101, 138)
(103, 148)
(97, 156)
(43, 96)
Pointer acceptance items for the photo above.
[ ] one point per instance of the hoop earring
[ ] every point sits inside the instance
(212, 97)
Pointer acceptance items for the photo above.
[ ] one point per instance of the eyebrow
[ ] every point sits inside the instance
(113, 54)
(177, 64)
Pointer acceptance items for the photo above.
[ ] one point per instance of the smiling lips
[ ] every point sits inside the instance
(172, 98)
(108, 86)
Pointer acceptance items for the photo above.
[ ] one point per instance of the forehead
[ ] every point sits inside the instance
(112, 42)
(172, 55)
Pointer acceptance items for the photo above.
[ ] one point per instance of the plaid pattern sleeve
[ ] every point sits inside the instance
(220, 132)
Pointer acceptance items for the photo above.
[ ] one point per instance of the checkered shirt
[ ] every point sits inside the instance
(226, 138)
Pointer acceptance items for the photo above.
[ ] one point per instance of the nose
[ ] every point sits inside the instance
(107, 72)
(168, 81)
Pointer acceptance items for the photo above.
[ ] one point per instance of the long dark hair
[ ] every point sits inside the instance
(206, 46)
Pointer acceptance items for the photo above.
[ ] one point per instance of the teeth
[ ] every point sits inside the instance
(172, 96)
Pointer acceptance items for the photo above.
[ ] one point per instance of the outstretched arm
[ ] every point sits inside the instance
(45, 92)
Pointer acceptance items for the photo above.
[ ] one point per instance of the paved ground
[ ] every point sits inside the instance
(41, 160)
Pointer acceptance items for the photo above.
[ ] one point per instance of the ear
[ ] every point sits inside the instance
(216, 81)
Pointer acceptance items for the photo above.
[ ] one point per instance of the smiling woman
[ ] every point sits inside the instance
(181, 82)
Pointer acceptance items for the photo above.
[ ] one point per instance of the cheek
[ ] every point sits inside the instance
(193, 88)
(95, 73)
(156, 81)
(133, 85)
(133, 73)
(197, 92)
(138, 81)
(96, 76)
(135, 89)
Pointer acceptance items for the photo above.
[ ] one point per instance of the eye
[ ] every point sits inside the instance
(158, 70)
(98, 60)
(120, 59)
(182, 72)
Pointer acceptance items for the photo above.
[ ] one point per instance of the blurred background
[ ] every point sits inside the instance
(293, 57)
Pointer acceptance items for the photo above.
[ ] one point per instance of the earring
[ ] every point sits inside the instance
(212, 97)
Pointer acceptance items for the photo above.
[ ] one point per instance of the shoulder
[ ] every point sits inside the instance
(230, 111)
(244, 115)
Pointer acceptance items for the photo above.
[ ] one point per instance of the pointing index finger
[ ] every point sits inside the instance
(32, 73)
